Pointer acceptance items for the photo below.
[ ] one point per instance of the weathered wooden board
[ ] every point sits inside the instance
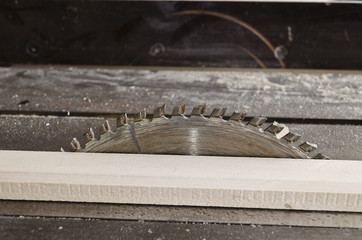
(324, 185)
(272, 94)
(337, 141)
(39, 133)
(49, 133)
(50, 228)
(47, 228)
(181, 214)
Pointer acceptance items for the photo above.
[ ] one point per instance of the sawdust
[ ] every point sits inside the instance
(271, 93)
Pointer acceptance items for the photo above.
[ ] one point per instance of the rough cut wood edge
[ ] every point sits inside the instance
(182, 180)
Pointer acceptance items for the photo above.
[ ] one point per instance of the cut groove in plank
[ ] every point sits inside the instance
(326, 185)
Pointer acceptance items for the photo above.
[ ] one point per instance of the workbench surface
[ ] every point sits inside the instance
(42, 109)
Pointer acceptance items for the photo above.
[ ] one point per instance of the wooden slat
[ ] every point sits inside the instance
(273, 94)
(325, 185)
(39, 133)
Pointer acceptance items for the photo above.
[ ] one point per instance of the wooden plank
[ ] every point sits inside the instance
(325, 185)
(275, 94)
(181, 214)
(50, 228)
(40, 133)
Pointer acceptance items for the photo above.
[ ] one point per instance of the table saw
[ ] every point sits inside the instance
(180, 120)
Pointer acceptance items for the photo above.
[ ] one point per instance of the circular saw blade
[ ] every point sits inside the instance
(198, 135)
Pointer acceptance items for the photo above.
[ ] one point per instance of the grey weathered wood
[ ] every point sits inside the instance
(178, 214)
(336, 141)
(51, 133)
(52, 228)
(273, 94)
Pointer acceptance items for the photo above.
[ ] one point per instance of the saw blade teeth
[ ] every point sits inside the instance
(106, 126)
(179, 110)
(257, 121)
(218, 113)
(141, 115)
(90, 135)
(274, 128)
(198, 110)
(159, 112)
(321, 156)
(75, 144)
(273, 132)
(279, 130)
(237, 116)
(122, 120)
(292, 137)
(308, 147)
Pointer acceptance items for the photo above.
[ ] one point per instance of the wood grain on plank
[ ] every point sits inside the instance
(272, 94)
(325, 185)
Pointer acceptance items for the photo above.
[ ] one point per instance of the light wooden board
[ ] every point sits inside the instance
(326, 185)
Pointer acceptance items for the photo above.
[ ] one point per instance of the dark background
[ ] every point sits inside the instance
(148, 34)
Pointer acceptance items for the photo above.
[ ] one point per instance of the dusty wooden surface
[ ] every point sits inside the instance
(180, 213)
(272, 94)
(50, 228)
